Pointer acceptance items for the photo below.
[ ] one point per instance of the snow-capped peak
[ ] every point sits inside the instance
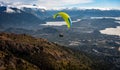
(84, 8)
(20, 5)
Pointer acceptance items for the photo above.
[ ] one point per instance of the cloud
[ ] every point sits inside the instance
(49, 3)
(19, 1)
(61, 3)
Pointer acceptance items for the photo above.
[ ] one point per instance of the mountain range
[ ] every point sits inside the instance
(21, 16)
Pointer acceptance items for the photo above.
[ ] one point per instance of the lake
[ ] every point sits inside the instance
(112, 31)
(58, 23)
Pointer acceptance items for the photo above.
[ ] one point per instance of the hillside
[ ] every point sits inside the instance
(25, 52)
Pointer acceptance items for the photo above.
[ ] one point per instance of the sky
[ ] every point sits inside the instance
(51, 4)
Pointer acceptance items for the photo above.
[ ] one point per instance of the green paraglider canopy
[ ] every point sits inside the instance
(66, 18)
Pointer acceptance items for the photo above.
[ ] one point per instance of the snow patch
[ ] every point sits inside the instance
(9, 10)
(119, 49)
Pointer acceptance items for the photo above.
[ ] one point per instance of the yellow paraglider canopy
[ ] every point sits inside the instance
(66, 18)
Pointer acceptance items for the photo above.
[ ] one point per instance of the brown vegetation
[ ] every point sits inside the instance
(23, 52)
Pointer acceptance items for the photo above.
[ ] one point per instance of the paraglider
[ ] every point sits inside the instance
(66, 18)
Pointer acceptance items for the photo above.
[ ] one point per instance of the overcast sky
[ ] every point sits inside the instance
(49, 4)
